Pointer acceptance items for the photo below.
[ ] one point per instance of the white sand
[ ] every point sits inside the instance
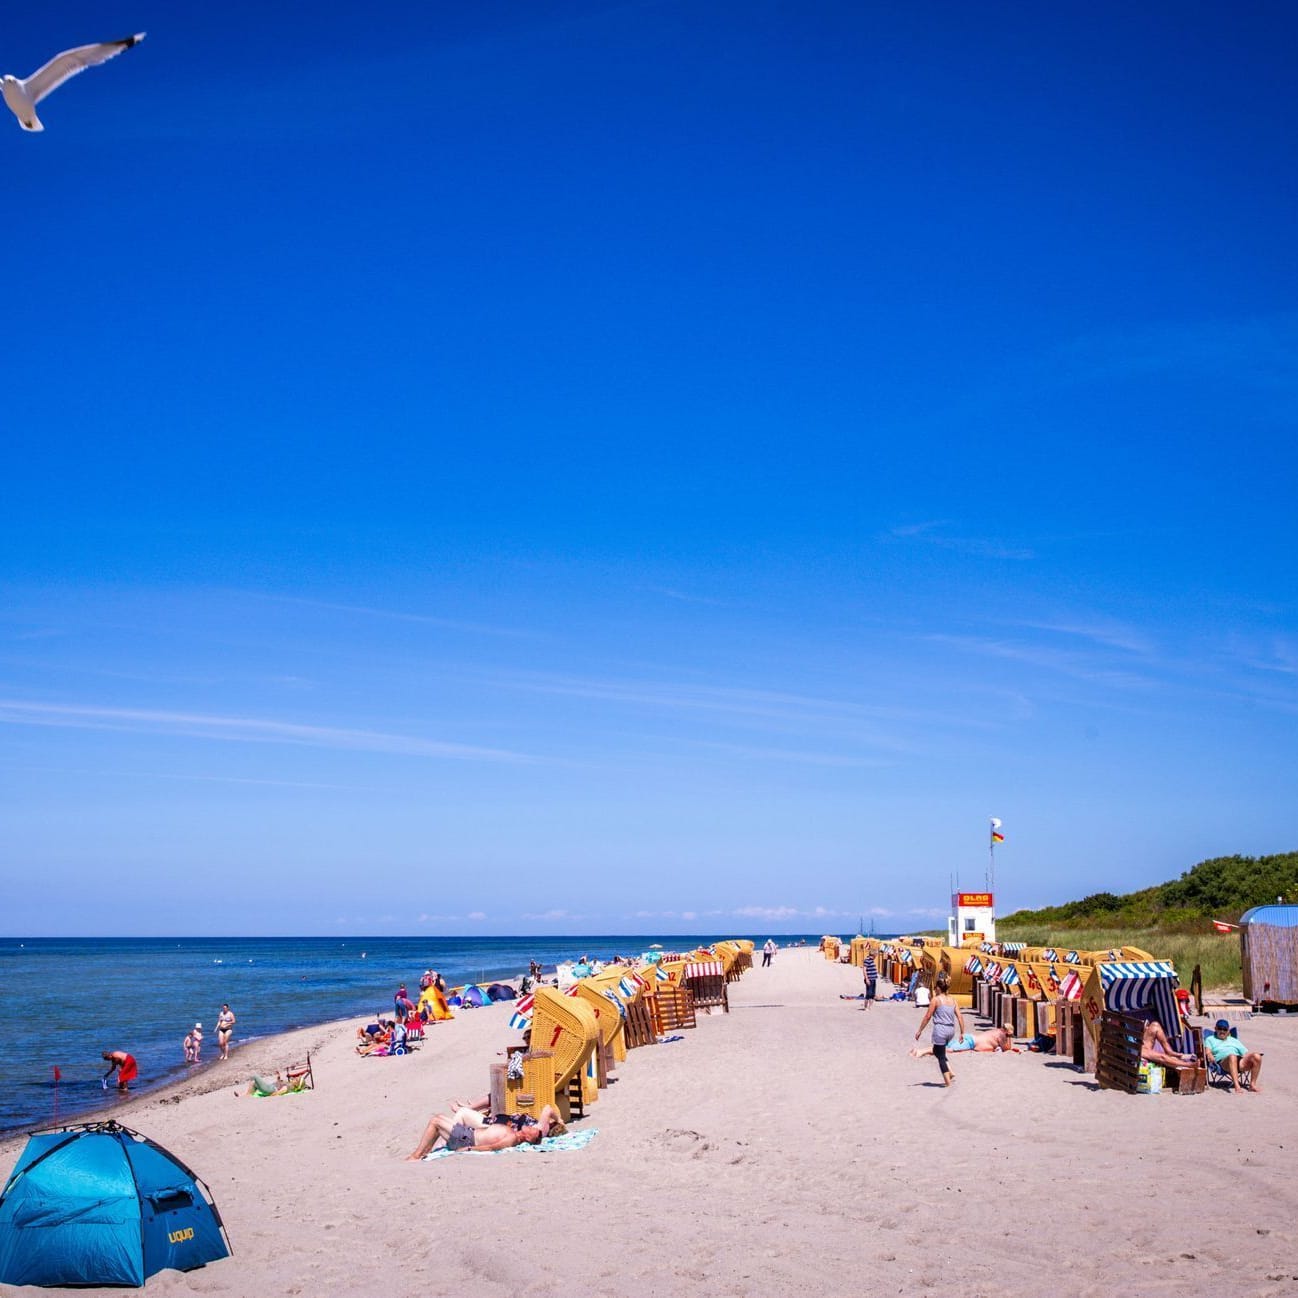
(790, 1145)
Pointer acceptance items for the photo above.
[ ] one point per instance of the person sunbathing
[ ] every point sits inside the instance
(378, 1042)
(1156, 1049)
(468, 1128)
(989, 1042)
(261, 1088)
(478, 1113)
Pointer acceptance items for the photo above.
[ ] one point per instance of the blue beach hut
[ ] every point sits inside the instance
(99, 1204)
(1269, 954)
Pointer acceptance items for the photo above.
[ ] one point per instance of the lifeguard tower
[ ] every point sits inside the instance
(972, 919)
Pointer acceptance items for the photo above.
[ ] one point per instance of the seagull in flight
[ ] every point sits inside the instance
(23, 96)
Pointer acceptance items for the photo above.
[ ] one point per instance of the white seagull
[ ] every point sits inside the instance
(23, 96)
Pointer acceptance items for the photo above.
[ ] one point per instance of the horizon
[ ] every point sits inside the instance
(600, 464)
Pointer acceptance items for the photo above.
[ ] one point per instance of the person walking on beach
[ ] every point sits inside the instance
(948, 1022)
(870, 971)
(124, 1066)
(768, 952)
(188, 1047)
(196, 1036)
(224, 1028)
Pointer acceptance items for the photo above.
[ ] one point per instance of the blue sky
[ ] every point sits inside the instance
(578, 467)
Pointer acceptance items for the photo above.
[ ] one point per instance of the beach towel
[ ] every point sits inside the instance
(550, 1145)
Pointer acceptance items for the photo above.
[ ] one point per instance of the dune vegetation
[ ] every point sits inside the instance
(1170, 920)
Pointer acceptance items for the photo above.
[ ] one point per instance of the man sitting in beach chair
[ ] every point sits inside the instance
(1228, 1058)
(468, 1128)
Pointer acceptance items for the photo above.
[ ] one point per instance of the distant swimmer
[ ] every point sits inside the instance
(22, 96)
(124, 1066)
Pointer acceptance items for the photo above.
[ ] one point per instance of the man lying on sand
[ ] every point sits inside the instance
(992, 1041)
(468, 1128)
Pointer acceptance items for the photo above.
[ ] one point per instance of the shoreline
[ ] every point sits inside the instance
(208, 1076)
(203, 1079)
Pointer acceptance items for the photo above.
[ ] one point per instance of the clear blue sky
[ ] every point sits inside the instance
(577, 467)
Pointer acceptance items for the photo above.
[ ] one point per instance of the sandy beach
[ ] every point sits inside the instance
(788, 1145)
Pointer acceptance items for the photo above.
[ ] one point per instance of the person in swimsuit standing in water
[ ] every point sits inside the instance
(224, 1027)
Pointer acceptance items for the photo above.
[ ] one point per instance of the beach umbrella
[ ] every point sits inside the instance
(99, 1204)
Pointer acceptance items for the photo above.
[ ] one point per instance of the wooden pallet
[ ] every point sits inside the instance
(1117, 1065)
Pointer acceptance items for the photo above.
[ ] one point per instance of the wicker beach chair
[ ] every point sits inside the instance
(608, 1019)
(565, 1032)
(706, 979)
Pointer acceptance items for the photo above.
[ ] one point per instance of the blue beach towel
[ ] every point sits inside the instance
(550, 1145)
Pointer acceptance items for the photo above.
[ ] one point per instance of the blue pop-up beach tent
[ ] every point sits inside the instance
(99, 1204)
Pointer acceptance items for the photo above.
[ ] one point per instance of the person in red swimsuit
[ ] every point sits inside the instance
(124, 1066)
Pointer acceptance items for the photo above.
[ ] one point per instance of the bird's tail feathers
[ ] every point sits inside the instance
(33, 123)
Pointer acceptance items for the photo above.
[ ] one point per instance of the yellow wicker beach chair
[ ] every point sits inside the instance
(608, 1018)
(564, 1035)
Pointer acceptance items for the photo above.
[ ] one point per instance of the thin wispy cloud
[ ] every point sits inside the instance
(1109, 634)
(1258, 352)
(862, 722)
(392, 615)
(1079, 665)
(241, 729)
(685, 597)
(789, 912)
(940, 533)
(797, 757)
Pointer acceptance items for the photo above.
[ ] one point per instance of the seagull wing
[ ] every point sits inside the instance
(70, 62)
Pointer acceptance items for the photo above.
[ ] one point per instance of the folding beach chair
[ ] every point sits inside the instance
(300, 1077)
(1217, 1074)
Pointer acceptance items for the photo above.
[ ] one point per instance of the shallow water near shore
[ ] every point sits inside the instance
(63, 1001)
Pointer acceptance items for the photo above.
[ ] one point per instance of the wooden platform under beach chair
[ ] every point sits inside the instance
(565, 1033)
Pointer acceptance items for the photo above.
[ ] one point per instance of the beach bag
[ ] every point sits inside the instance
(1151, 1080)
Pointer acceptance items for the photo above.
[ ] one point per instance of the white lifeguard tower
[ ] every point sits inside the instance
(972, 919)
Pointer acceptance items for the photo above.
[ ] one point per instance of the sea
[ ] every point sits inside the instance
(64, 1001)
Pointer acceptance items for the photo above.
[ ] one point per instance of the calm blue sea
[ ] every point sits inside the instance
(63, 1001)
